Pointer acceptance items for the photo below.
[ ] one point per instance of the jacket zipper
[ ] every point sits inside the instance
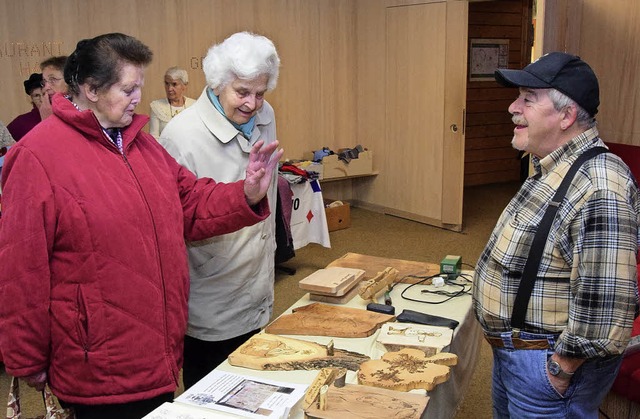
(168, 353)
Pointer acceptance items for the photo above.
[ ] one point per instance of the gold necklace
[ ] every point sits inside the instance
(184, 102)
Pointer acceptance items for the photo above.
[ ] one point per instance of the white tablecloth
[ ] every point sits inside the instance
(446, 397)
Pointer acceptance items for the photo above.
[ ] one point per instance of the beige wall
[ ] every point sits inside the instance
(606, 34)
(315, 102)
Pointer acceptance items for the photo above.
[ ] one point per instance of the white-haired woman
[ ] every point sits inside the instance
(162, 110)
(232, 276)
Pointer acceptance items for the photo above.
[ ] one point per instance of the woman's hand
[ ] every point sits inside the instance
(45, 107)
(262, 162)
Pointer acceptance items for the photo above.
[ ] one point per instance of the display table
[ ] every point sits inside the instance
(446, 397)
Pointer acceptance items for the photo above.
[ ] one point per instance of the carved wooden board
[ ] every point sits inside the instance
(406, 370)
(373, 264)
(354, 401)
(319, 319)
(277, 353)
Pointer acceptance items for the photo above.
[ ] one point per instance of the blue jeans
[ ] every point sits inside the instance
(521, 388)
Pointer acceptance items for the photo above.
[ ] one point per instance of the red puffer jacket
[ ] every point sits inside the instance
(94, 279)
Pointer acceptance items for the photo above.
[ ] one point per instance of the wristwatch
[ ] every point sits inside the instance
(556, 370)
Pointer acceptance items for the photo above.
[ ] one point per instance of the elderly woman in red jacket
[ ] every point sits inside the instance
(95, 213)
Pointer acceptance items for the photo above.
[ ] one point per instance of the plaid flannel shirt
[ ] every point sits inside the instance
(586, 289)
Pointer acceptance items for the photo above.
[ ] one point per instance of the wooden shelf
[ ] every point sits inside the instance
(333, 179)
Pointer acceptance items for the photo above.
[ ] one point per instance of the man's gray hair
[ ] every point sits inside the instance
(561, 101)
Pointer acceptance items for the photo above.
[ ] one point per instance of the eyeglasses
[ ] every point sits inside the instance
(50, 80)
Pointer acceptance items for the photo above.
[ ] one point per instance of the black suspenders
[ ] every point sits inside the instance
(530, 272)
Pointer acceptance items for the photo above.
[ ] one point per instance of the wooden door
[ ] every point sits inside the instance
(425, 96)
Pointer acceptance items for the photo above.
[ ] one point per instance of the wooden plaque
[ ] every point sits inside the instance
(406, 370)
(355, 401)
(277, 353)
(319, 319)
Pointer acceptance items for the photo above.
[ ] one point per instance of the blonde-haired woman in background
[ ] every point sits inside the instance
(162, 110)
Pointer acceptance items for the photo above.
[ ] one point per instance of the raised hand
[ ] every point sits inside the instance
(45, 107)
(262, 163)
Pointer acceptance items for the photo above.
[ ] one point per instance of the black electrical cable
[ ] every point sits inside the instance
(449, 295)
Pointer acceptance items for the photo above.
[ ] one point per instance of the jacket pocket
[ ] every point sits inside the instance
(82, 322)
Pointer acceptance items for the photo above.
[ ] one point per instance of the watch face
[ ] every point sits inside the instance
(554, 367)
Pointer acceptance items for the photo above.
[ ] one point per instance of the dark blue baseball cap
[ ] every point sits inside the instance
(561, 71)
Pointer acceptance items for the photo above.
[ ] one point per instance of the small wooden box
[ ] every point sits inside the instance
(338, 217)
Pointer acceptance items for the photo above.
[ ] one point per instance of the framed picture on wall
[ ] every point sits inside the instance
(485, 56)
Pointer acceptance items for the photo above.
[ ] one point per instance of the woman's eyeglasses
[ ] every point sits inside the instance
(50, 80)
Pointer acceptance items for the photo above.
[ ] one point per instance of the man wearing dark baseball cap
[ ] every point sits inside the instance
(558, 310)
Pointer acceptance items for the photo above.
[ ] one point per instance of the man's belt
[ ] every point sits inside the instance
(518, 343)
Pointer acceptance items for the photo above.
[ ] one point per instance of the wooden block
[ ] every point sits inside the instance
(335, 281)
(355, 401)
(335, 300)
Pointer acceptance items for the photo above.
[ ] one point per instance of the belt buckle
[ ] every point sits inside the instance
(515, 333)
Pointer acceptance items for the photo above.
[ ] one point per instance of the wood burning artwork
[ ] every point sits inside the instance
(277, 353)
(355, 401)
(325, 377)
(406, 370)
(319, 319)
(428, 339)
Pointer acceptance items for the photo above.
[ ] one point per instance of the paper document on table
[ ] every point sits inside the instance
(243, 395)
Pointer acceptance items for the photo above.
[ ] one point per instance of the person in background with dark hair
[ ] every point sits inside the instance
(52, 82)
(558, 343)
(23, 123)
(95, 214)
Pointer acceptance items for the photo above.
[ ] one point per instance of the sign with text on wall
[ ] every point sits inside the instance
(485, 56)
(26, 56)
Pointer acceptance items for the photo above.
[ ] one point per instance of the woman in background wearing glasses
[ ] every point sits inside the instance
(52, 81)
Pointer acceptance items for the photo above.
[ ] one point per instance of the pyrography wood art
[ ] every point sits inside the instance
(355, 401)
(428, 339)
(370, 287)
(374, 264)
(277, 353)
(326, 376)
(319, 319)
(406, 370)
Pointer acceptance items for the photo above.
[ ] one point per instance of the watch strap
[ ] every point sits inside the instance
(556, 370)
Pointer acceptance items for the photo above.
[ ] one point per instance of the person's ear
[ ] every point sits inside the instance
(90, 92)
(569, 116)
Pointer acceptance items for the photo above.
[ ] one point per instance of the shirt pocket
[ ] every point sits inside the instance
(514, 240)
